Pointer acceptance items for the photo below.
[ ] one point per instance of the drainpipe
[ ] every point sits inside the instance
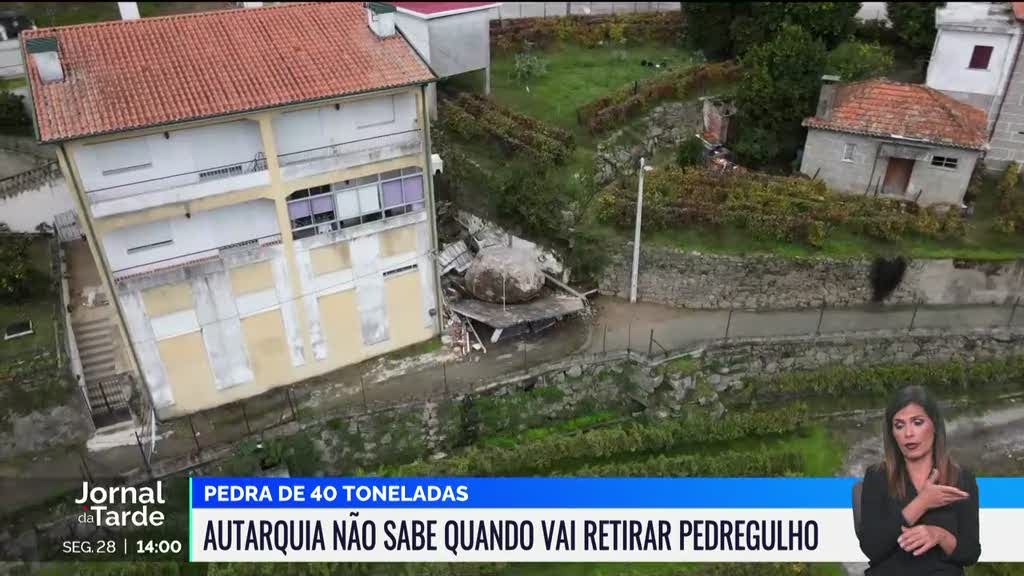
(432, 211)
(104, 269)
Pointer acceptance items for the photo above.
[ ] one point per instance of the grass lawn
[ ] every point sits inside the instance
(39, 310)
(575, 76)
(9, 84)
(46, 14)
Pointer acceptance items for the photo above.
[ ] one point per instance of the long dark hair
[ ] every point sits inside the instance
(895, 464)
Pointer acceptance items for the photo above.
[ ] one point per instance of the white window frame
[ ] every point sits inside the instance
(848, 150)
(364, 215)
(945, 162)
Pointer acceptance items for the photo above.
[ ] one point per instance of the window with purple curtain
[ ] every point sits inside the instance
(323, 208)
(300, 213)
(413, 188)
(392, 193)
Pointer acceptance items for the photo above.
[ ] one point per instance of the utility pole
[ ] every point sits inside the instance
(636, 237)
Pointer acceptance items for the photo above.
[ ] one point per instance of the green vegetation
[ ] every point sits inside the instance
(14, 117)
(854, 60)
(849, 226)
(914, 24)
(576, 75)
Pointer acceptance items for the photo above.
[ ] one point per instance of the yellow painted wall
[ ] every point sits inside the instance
(340, 320)
(398, 241)
(268, 351)
(168, 299)
(330, 258)
(405, 309)
(188, 372)
(252, 278)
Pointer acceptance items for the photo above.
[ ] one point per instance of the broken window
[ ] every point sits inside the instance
(980, 58)
(944, 161)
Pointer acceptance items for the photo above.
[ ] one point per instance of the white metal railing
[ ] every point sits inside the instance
(256, 164)
(374, 148)
(194, 257)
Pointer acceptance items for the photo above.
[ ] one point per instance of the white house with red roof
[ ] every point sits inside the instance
(252, 186)
(453, 38)
(901, 140)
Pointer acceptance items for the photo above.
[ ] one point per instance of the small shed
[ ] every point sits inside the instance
(452, 37)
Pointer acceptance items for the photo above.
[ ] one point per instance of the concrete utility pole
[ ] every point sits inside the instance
(636, 238)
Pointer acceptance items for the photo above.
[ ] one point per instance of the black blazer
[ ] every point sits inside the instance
(882, 520)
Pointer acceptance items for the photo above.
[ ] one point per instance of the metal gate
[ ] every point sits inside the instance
(67, 226)
(108, 399)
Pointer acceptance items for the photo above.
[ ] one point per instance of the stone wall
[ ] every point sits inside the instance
(696, 280)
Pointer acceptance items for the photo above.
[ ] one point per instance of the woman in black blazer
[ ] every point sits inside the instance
(919, 509)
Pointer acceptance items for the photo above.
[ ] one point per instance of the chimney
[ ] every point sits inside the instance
(45, 55)
(128, 10)
(827, 97)
(381, 18)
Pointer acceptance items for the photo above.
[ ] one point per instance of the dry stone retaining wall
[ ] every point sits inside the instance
(696, 280)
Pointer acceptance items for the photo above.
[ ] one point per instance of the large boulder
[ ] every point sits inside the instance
(502, 274)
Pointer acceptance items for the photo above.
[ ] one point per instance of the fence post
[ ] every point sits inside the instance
(245, 416)
(821, 316)
(629, 339)
(913, 318)
(142, 451)
(1013, 312)
(362, 387)
(604, 344)
(85, 466)
(444, 377)
(728, 324)
(291, 403)
(195, 438)
(650, 345)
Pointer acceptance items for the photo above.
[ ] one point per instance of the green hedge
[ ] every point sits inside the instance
(763, 463)
(588, 31)
(552, 453)
(941, 377)
(630, 101)
(474, 118)
(787, 209)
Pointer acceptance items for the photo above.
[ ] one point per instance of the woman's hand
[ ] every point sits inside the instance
(934, 495)
(920, 539)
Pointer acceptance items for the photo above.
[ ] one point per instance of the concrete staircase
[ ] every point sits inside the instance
(96, 349)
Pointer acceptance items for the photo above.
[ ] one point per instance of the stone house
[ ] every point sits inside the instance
(905, 141)
(255, 198)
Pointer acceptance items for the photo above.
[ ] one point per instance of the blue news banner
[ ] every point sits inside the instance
(551, 520)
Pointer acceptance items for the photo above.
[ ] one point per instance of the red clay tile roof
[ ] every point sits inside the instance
(429, 9)
(124, 75)
(894, 109)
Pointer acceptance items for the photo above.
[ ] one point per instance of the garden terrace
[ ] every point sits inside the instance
(750, 212)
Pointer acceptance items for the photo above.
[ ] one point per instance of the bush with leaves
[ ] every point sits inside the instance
(18, 278)
(779, 89)
(690, 152)
(1011, 200)
(828, 22)
(787, 209)
(13, 117)
(914, 24)
(855, 60)
(528, 66)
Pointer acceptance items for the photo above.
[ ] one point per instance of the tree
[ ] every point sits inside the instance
(830, 22)
(690, 152)
(17, 276)
(708, 26)
(914, 23)
(855, 60)
(13, 117)
(778, 90)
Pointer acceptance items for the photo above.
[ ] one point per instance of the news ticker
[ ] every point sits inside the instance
(551, 520)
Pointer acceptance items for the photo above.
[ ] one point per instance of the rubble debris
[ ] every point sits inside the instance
(543, 310)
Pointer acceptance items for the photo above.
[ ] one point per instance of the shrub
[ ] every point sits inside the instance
(528, 66)
(473, 118)
(13, 117)
(787, 209)
(1011, 201)
(690, 153)
(760, 463)
(588, 31)
(551, 453)
(18, 278)
(854, 60)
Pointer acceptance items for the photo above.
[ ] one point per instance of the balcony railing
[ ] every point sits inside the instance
(352, 153)
(194, 258)
(202, 182)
